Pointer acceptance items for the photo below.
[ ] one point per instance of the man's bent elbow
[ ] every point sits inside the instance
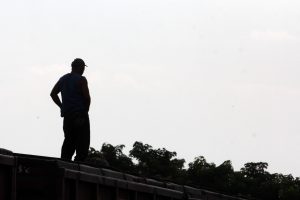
(52, 95)
(88, 101)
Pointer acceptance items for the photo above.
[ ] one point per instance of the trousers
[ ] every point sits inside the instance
(76, 128)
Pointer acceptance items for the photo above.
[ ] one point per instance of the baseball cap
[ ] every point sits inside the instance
(78, 62)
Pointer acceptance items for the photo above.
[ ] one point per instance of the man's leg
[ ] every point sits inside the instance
(83, 141)
(68, 147)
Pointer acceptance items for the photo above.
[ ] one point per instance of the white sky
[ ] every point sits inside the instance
(218, 78)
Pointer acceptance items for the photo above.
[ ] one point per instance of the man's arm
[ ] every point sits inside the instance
(85, 92)
(54, 95)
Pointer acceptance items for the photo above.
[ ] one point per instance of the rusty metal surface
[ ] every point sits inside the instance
(7, 160)
(7, 177)
(44, 178)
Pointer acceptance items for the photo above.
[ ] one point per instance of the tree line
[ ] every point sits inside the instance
(253, 181)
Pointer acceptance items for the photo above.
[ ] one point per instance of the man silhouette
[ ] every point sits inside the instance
(74, 108)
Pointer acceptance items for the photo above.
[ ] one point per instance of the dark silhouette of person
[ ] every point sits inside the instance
(74, 108)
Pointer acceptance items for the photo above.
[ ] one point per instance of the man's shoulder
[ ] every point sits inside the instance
(83, 78)
(64, 76)
(73, 78)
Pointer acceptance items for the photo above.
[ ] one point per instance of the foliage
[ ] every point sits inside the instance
(252, 181)
(159, 163)
(111, 155)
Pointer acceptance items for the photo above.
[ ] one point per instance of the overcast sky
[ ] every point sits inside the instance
(218, 78)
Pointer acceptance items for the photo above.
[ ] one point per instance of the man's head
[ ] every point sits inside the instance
(78, 66)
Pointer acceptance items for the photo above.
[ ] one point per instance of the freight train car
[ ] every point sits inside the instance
(7, 177)
(26, 177)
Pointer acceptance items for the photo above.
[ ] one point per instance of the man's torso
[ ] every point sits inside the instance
(71, 93)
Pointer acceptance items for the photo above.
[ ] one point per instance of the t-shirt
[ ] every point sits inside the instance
(71, 94)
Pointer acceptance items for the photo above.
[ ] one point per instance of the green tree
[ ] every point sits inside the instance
(223, 175)
(201, 173)
(159, 163)
(259, 182)
(254, 169)
(116, 158)
(289, 187)
(96, 158)
(113, 156)
(252, 181)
